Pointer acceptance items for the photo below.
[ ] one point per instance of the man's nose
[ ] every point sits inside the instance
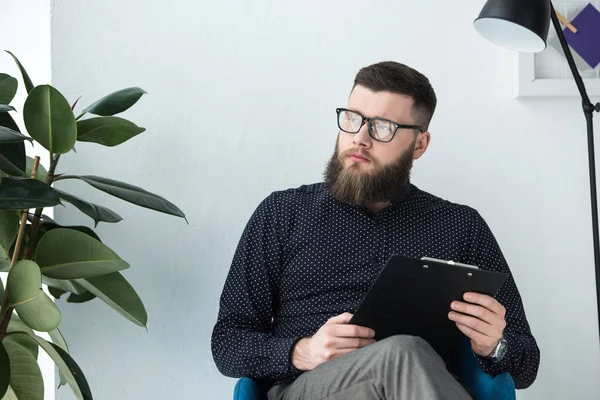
(362, 138)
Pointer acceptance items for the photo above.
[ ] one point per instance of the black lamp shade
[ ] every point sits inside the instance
(520, 25)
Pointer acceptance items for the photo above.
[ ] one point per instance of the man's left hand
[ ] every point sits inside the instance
(481, 318)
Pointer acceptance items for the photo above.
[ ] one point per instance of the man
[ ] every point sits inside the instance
(308, 256)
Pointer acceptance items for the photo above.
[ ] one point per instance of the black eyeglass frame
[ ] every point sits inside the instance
(370, 126)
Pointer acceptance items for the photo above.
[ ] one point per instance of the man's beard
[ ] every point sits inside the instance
(382, 184)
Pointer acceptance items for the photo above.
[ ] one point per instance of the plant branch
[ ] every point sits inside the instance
(6, 310)
(35, 223)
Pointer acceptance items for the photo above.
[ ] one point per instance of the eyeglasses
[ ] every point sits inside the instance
(379, 129)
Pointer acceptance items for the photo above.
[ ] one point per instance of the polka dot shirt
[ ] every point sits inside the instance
(305, 257)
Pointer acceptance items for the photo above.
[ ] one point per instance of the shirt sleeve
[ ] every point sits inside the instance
(522, 358)
(242, 345)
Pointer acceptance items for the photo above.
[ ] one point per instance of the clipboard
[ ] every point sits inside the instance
(412, 297)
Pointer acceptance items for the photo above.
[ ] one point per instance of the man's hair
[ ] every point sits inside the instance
(391, 76)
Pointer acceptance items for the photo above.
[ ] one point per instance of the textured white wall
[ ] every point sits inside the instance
(241, 102)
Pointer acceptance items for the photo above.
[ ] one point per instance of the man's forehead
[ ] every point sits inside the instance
(381, 104)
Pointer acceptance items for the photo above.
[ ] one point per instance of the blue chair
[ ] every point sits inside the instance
(465, 366)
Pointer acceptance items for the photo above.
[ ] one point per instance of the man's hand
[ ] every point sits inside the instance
(332, 340)
(481, 319)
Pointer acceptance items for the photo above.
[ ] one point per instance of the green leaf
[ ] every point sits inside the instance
(7, 121)
(6, 108)
(8, 89)
(8, 135)
(75, 370)
(66, 285)
(4, 370)
(48, 226)
(59, 340)
(9, 227)
(16, 325)
(35, 308)
(115, 291)
(66, 365)
(56, 293)
(115, 102)
(68, 254)
(26, 193)
(50, 120)
(25, 376)
(96, 212)
(107, 131)
(40, 314)
(42, 174)
(13, 154)
(4, 260)
(26, 79)
(24, 281)
(8, 167)
(10, 395)
(81, 298)
(129, 193)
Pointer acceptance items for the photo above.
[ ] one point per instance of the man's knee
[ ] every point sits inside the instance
(404, 344)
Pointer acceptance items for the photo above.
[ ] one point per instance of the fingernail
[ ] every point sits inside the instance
(454, 304)
(468, 296)
(451, 315)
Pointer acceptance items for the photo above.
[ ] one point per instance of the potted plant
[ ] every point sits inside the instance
(34, 249)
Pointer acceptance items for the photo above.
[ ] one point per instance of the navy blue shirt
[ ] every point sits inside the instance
(304, 257)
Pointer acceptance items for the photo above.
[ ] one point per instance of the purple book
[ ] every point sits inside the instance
(586, 42)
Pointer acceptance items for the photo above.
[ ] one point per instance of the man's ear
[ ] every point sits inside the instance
(421, 144)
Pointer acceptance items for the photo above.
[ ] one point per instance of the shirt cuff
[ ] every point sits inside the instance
(281, 351)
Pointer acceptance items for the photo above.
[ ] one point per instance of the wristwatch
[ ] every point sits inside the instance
(499, 351)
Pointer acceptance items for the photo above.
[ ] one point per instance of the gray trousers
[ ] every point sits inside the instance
(398, 367)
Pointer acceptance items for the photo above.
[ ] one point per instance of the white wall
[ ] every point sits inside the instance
(241, 102)
(25, 31)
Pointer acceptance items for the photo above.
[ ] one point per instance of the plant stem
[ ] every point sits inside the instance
(6, 311)
(35, 223)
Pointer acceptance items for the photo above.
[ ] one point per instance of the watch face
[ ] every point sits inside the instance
(502, 347)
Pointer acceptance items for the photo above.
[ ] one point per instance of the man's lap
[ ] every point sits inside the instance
(396, 367)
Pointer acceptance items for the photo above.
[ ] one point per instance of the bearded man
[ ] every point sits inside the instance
(309, 255)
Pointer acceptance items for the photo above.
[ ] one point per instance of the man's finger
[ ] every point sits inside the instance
(484, 300)
(352, 343)
(352, 331)
(475, 336)
(481, 344)
(340, 319)
(475, 310)
(474, 323)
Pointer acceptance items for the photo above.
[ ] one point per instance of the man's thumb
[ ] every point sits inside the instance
(340, 319)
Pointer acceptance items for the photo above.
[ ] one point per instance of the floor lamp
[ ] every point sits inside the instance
(522, 25)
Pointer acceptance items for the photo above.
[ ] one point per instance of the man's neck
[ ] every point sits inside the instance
(376, 207)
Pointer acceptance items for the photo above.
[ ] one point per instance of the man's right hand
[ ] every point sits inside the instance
(332, 340)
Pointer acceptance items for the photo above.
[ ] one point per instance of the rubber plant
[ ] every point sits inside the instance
(36, 250)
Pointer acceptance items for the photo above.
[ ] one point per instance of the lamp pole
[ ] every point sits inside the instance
(588, 110)
(523, 25)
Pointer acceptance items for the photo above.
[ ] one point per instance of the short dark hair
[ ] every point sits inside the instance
(394, 77)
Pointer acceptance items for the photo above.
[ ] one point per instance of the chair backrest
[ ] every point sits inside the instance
(482, 386)
(248, 389)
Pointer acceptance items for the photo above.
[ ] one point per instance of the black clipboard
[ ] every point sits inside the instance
(412, 297)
